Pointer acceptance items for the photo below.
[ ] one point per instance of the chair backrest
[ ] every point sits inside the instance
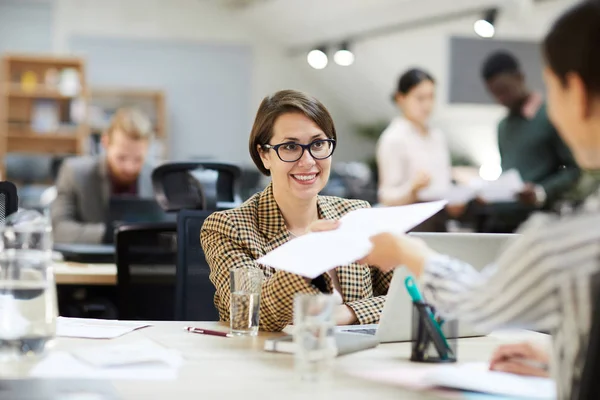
(194, 295)
(146, 256)
(196, 185)
(9, 201)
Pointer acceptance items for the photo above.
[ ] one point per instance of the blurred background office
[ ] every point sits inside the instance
(199, 68)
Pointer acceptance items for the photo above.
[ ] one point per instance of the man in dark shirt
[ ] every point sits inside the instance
(85, 184)
(527, 142)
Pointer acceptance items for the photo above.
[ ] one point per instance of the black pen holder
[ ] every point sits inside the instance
(428, 345)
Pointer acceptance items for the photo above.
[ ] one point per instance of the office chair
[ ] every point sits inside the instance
(194, 292)
(196, 186)
(9, 200)
(146, 256)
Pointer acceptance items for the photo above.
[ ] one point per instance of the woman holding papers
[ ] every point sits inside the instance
(412, 157)
(292, 140)
(545, 280)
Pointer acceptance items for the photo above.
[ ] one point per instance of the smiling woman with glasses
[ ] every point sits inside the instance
(292, 140)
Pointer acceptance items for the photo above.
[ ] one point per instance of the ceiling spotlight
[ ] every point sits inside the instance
(344, 56)
(485, 26)
(317, 58)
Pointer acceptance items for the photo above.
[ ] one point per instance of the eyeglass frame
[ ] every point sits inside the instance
(304, 148)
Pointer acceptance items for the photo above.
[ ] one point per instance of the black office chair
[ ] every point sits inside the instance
(9, 200)
(146, 256)
(196, 186)
(194, 294)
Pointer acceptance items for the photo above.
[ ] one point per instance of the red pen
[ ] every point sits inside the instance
(207, 332)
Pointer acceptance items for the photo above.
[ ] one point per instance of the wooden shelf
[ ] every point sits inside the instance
(18, 107)
(42, 144)
(40, 93)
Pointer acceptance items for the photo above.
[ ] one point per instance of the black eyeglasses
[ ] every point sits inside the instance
(292, 152)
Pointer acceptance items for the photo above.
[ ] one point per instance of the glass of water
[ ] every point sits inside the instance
(28, 303)
(246, 284)
(314, 338)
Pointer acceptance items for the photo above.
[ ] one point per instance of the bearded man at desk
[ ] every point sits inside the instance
(85, 184)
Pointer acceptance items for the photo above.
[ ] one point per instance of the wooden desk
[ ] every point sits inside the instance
(238, 368)
(69, 273)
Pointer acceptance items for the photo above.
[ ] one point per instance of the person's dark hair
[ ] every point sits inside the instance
(501, 62)
(284, 102)
(412, 78)
(571, 46)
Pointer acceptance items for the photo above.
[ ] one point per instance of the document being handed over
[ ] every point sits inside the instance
(315, 253)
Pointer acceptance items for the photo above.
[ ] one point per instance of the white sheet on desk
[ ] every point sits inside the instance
(313, 254)
(140, 360)
(95, 328)
(474, 377)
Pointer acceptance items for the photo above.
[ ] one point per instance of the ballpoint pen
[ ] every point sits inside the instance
(207, 332)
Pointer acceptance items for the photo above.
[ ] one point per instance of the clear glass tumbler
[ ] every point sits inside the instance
(314, 328)
(246, 284)
(28, 303)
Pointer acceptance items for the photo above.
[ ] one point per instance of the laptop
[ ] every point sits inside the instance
(132, 210)
(478, 249)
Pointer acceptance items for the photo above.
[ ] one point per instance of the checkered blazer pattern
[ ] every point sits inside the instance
(237, 238)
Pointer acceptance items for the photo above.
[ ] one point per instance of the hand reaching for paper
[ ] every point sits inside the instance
(520, 358)
(390, 251)
(528, 195)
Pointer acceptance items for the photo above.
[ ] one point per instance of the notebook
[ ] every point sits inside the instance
(346, 343)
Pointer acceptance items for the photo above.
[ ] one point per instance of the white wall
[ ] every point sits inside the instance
(200, 21)
(365, 87)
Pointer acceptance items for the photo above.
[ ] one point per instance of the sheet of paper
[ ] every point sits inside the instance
(142, 360)
(95, 328)
(475, 377)
(313, 254)
(504, 189)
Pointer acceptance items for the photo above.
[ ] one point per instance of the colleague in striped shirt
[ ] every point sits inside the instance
(544, 279)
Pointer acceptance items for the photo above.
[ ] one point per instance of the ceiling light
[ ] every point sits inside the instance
(485, 26)
(344, 56)
(317, 58)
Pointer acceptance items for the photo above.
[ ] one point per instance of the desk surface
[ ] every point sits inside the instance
(70, 273)
(229, 368)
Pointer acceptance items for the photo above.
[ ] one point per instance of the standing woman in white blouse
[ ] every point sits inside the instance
(412, 157)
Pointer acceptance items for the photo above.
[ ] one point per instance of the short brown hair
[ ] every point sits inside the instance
(132, 123)
(284, 102)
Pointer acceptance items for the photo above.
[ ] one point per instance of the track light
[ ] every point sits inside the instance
(344, 56)
(317, 58)
(485, 27)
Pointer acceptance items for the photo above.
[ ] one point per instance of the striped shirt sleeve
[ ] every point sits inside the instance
(518, 291)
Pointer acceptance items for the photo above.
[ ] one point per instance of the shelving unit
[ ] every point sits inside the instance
(105, 101)
(39, 113)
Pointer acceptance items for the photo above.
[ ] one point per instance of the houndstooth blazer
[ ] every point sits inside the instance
(236, 238)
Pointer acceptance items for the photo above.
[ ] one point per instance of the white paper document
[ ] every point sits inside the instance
(313, 254)
(504, 189)
(141, 360)
(95, 328)
(475, 377)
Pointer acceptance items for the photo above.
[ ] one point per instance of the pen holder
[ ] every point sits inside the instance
(432, 342)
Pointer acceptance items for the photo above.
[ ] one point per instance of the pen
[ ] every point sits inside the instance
(206, 332)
